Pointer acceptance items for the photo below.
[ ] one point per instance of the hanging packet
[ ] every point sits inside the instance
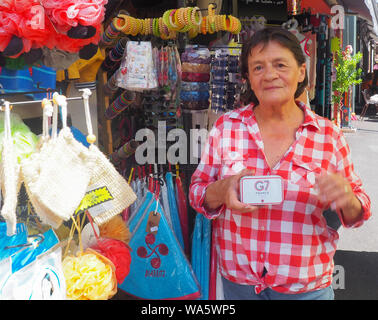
(173, 209)
(58, 176)
(10, 175)
(159, 268)
(108, 192)
(34, 272)
(45, 142)
(183, 213)
(137, 70)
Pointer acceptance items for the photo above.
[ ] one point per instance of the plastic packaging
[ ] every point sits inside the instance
(194, 86)
(195, 77)
(195, 67)
(137, 67)
(195, 105)
(25, 141)
(194, 95)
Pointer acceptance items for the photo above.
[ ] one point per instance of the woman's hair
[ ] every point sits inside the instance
(286, 39)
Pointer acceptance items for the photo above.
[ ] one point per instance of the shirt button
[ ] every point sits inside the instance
(262, 228)
(261, 256)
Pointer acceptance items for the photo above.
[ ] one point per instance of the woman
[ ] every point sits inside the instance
(281, 251)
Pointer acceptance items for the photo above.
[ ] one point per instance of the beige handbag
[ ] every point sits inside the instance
(10, 175)
(114, 190)
(58, 176)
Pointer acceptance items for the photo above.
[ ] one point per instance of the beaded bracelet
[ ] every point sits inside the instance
(143, 28)
(155, 27)
(166, 15)
(185, 28)
(224, 22)
(179, 18)
(119, 23)
(218, 23)
(164, 32)
(208, 26)
(127, 23)
(192, 33)
(203, 25)
(228, 23)
(188, 15)
(135, 23)
(151, 26)
(239, 27)
(211, 15)
(175, 20)
(196, 16)
(147, 26)
(172, 26)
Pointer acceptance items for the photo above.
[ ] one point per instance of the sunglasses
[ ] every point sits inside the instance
(162, 113)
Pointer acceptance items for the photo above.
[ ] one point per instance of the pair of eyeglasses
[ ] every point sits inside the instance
(163, 113)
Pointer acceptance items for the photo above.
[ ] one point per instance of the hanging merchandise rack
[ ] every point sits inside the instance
(174, 21)
(26, 102)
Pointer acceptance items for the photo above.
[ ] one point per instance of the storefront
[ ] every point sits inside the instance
(144, 82)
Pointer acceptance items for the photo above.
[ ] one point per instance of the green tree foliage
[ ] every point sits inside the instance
(347, 72)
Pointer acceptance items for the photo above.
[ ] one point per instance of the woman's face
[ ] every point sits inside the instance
(274, 73)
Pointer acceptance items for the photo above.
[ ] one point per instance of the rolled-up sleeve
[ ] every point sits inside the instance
(206, 173)
(346, 168)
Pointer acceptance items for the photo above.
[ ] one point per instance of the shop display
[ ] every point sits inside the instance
(31, 266)
(137, 69)
(89, 276)
(136, 232)
(225, 83)
(68, 161)
(194, 92)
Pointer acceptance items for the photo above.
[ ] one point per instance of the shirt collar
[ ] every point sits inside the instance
(246, 112)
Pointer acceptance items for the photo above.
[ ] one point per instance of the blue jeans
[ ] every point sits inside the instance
(234, 291)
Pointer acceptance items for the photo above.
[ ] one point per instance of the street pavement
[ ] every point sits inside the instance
(356, 260)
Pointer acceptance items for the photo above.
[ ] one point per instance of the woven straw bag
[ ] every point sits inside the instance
(10, 176)
(58, 177)
(104, 174)
(46, 216)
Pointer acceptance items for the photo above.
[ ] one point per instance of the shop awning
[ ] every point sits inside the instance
(372, 5)
(365, 9)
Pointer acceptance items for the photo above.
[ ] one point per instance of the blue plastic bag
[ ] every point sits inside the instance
(159, 269)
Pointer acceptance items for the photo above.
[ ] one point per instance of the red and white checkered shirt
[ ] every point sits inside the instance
(291, 240)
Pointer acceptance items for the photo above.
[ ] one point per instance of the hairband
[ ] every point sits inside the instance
(195, 105)
(195, 67)
(195, 77)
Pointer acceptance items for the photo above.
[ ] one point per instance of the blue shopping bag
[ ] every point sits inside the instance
(159, 269)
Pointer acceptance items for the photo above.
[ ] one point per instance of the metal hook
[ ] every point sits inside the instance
(29, 244)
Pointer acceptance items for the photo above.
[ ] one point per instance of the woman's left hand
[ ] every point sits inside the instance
(334, 190)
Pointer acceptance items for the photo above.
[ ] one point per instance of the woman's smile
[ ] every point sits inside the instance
(274, 74)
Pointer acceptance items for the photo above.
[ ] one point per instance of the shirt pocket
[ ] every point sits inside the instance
(304, 173)
(233, 164)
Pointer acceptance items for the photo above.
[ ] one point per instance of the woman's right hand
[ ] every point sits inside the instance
(226, 192)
